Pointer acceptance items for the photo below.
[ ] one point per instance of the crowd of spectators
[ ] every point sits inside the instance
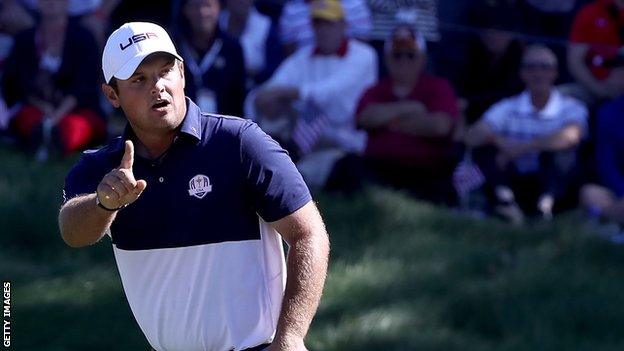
(527, 94)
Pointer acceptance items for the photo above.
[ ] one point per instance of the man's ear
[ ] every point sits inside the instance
(111, 95)
(181, 67)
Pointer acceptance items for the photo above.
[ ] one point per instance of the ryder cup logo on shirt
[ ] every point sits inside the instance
(199, 186)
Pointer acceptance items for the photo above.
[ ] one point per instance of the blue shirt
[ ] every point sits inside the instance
(610, 145)
(200, 267)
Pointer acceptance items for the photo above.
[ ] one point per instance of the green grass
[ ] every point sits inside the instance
(404, 275)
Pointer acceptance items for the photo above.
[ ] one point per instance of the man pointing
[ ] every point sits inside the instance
(196, 206)
(119, 186)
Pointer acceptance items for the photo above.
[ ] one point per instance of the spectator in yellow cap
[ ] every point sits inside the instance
(295, 25)
(309, 102)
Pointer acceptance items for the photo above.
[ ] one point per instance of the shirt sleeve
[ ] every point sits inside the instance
(495, 116)
(276, 186)
(81, 179)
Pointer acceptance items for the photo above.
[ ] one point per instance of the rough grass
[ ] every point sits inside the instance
(404, 275)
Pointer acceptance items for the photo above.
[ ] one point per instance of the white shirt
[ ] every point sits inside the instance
(517, 118)
(335, 84)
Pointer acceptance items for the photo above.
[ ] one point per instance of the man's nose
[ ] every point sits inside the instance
(157, 85)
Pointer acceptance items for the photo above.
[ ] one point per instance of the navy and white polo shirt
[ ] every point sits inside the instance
(199, 265)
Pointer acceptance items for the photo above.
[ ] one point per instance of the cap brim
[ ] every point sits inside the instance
(127, 70)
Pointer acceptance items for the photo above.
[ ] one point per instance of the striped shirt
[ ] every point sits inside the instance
(518, 119)
(387, 14)
(295, 25)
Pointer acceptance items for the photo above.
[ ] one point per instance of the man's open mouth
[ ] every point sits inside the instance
(161, 104)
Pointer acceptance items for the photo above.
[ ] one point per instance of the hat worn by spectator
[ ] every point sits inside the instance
(127, 46)
(405, 39)
(329, 10)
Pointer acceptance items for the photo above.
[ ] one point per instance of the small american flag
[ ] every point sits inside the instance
(310, 125)
(467, 176)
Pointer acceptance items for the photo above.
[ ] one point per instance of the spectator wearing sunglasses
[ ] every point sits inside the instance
(526, 144)
(410, 117)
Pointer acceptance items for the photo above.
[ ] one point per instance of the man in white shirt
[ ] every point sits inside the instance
(310, 101)
(530, 135)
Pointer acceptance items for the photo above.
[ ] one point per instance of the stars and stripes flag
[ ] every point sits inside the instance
(467, 176)
(310, 125)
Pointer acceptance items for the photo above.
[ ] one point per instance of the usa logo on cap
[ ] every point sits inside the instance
(199, 186)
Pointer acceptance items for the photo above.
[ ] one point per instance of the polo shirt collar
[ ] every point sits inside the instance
(551, 110)
(191, 127)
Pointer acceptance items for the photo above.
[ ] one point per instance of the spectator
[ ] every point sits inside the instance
(530, 138)
(51, 76)
(551, 22)
(493, 59)
(258, 38)
(214, 65)
(14, 18)
(310, 101)
(410, 118)
(92, 14)
(387, 15)
(296, 30)
(606, 198)
(597, 36)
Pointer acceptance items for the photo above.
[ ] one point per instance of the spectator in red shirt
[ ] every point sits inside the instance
(410, 117)
(51, 81)
(597, 35)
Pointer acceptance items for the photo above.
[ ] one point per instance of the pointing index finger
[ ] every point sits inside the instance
(128, 158)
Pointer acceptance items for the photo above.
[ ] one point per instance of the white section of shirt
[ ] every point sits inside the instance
(219, 297)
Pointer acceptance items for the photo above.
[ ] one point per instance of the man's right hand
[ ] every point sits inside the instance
(119, 187)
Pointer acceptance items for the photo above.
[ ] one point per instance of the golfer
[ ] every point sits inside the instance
(196, 206)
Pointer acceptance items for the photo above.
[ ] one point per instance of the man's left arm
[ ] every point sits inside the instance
(307, 261)
(565, 138)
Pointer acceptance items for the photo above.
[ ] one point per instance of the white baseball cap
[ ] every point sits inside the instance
(127, 46)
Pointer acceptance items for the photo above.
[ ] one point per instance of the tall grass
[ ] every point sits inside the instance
(404, 275)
